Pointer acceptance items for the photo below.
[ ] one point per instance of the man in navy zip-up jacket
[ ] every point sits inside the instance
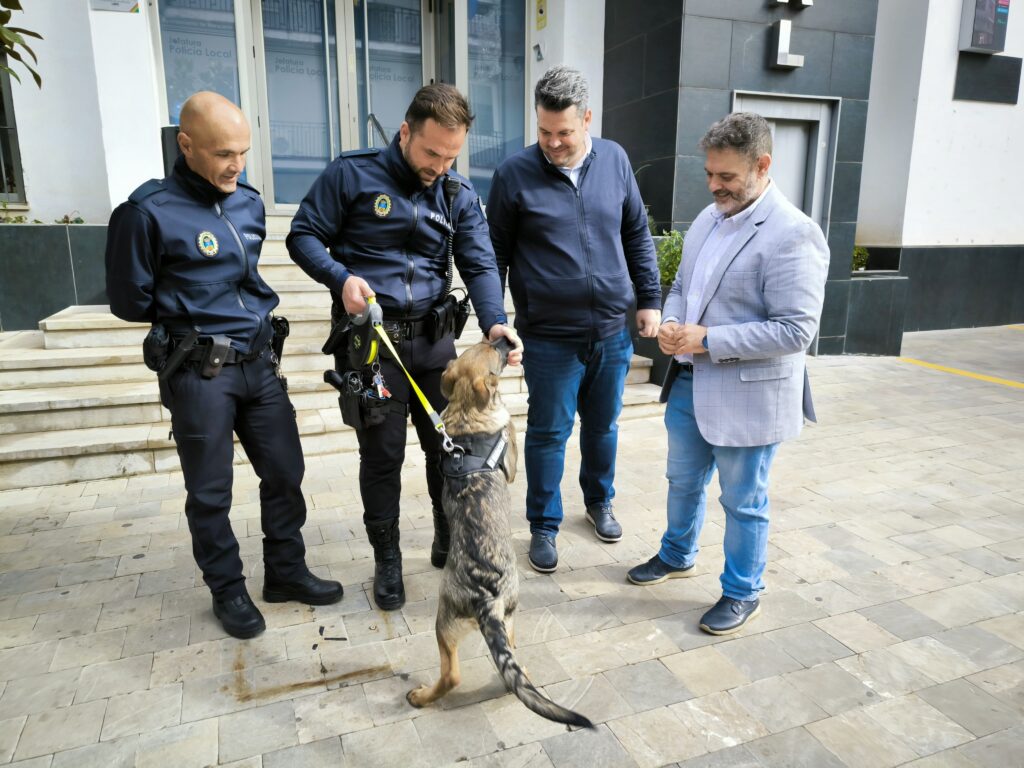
(570, 234)
(182, 253)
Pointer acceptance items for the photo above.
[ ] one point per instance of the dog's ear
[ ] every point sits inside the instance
(448, 379)
(483, 387)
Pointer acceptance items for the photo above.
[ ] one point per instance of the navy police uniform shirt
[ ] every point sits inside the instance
(376, 220)
(182, 253)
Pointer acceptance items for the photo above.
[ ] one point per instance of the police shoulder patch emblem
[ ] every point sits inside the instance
(207, 243)
(382, 205)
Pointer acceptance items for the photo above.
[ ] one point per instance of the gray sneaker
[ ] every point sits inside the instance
(543, 554)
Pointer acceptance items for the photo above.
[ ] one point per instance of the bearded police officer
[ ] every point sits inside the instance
(182, 254)
(387, 222)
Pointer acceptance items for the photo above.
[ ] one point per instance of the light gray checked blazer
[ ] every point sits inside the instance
(761, 307)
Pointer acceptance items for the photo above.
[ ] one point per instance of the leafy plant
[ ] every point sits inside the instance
(6, 217)
(670, 253)
(11, 38)
(860, 258)
(70, 218)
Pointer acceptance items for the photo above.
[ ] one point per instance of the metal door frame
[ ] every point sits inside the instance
(823, 114)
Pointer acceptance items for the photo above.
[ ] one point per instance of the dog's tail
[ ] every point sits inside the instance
(493, 629)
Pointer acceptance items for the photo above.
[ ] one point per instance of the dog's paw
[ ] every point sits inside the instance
(415, 696)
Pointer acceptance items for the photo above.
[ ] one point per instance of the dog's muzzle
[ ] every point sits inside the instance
(504, 347)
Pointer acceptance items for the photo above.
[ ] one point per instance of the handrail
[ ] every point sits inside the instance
(373, 122)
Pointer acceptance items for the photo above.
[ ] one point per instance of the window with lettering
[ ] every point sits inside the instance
(197, 38)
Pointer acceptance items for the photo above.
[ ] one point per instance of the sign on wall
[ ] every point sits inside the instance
(983, 26)
(124, 6)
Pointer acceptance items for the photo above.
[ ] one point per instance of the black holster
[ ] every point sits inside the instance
(281, 330)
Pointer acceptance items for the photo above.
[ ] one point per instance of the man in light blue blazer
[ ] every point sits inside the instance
(738, 320)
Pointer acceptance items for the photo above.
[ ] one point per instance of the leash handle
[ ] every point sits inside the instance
(446, 442)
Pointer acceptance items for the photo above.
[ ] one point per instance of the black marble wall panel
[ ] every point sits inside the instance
(853, 16)
(46, 268)
(840, 246)
(875, 319)
(661, 58)
(691, 191)
(851, 66)
(749, 71)
(88, 244)
(853, 117)
(987, 78)
(698, 109)
(625, 19)
(706, 52)
(845, 192)
(833, 314)
(621, 84)
(35, 274)
(655, 179)
(963, 287)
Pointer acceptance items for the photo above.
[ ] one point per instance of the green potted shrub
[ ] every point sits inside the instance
(669, 250)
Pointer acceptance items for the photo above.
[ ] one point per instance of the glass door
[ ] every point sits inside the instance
(389, 65)
(297, 75)
(497, 80)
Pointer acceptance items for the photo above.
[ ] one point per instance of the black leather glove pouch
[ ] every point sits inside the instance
(155, 348)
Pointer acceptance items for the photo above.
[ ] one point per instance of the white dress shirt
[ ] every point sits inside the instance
(718, 243)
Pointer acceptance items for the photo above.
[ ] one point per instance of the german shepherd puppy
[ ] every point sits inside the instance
(480, 583)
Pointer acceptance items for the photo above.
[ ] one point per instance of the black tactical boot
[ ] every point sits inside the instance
(439, 549)
(388, 589)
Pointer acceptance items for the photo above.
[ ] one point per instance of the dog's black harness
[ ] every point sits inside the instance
(473, 454)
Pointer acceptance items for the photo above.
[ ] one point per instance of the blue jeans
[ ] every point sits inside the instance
(563, 378)
(743, 476)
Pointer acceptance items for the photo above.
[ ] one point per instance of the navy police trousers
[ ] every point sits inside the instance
(246, 398)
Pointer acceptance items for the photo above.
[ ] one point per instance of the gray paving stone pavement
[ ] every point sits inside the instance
(892, 630)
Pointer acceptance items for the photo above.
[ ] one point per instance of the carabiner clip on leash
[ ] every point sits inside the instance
(446, 442)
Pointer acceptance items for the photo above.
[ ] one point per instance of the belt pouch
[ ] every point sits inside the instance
(441, 319)
(216, 354)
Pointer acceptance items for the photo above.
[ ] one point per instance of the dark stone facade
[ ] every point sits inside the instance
(45, 268)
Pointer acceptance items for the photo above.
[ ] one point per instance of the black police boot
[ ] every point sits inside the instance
(442, 538)
(388, 589)
(308, 589)
(239, 617)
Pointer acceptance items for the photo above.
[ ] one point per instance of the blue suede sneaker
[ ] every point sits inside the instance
(543, 555)
(655, 571)
(605, 525)
(729, 615)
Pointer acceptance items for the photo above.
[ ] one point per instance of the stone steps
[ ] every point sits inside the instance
(97, 452)
(136, 400)
(77, 403)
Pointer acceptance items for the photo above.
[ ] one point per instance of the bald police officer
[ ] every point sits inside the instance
(182, 254)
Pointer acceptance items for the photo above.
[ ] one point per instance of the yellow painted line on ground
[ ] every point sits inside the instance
(968, 374)
(1016, 327)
